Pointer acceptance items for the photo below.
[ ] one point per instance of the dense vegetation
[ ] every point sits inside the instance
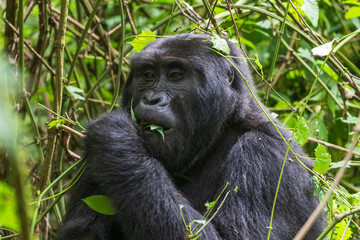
(65, 62)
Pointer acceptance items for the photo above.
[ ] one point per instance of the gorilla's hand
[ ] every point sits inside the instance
(112, 133)
(133, 179)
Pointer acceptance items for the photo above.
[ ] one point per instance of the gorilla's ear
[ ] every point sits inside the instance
(231, 76)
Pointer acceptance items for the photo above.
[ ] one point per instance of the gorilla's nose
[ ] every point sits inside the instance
(154, 99)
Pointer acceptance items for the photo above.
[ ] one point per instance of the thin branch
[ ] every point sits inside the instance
(70, 130)
(31, 49)
(338, 218)
(332, 146)
(77, 24)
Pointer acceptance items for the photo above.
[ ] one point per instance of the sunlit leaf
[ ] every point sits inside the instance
(323, 50)
(311, 9)
(142, 40)
(352, 12)
(323, 159)
(101, 204)
(220, 44)
(8, 208)
(341, 231)
(75, 92)
(56, 122)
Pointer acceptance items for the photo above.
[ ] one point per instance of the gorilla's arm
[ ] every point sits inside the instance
(146, 199)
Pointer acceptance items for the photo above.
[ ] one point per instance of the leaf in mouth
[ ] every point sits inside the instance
(157, 128)
(132, 111)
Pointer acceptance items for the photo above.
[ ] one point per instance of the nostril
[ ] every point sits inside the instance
(155, 99)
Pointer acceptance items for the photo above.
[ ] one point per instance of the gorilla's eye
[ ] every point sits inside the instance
(175, 75)
(149, 75)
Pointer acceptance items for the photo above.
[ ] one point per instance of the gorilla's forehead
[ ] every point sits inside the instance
(181, 50)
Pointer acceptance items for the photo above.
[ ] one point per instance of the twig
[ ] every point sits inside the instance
(338, 218)
(30, 48)
(70, 130)
(212, 19)
(332, 146)
(77, 24)
(133, 28)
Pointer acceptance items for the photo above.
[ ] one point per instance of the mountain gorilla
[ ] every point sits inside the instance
(214, 133)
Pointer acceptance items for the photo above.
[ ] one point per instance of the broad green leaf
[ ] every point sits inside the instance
(323, 159)
(75, 92)
(56, 122)
(101, 204)
(220, 44)
(247, 43)
(302, 132)
(352, 12)
(311, 9)
(8, 208)
(143, 39)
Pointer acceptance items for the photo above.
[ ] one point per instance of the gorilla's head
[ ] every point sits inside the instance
(182, 85)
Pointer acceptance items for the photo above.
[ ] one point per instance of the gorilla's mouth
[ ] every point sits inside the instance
(153, 126)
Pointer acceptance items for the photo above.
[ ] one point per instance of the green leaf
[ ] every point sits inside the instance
(101, 204)
(350, 120)
(74, 91)
(352, 12)
(143, 39)
(323, 159)
(341, 231)
(8, 208)
(203, 222)
(210, 205)
(302, 132)
(159, 129)
(220, 44)
(56, 122)
(132, 111)
(311, 9)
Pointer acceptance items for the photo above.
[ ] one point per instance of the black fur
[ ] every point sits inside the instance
(218, 134)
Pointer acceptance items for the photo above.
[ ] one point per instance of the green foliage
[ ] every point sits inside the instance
(132, 111)
(302, 132)
(157, 128)
(75, 92)
(56, 122)
(101, 204)
(26, 107)
(311, 9)
(323, 159)
(8, 208)
(220, 44)
(142, 40)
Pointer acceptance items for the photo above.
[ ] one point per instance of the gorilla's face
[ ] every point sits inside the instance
(163, 86)
(185, 92)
